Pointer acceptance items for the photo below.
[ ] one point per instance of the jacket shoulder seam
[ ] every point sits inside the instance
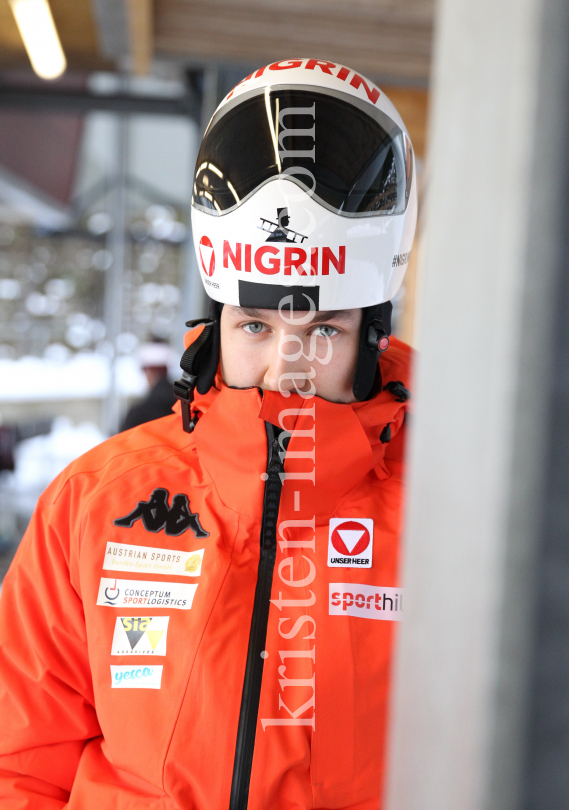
(92, 471)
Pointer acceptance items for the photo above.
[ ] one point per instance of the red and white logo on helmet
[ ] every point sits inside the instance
(350, 543)
(207, 255)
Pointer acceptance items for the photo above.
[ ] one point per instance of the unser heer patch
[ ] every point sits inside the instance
(350, 543)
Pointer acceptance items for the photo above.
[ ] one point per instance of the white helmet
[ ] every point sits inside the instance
(304, 196)
(304, 185)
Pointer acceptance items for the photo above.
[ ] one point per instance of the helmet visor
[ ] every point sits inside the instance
(353, 161)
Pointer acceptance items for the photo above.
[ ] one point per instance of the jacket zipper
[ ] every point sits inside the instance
(251, 694)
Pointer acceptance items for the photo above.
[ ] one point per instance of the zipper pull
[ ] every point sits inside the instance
(275, 465)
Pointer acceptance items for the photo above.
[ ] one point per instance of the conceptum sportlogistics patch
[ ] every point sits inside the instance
(136, 593)
(145, 560)
(136, 677)
(366, 601)
(140, 635)
(350, 543)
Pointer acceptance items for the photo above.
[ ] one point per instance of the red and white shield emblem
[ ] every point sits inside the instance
(207, 256)
(350, 543)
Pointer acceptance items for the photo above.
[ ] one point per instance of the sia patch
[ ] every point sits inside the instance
(140, 635)
(156, 514)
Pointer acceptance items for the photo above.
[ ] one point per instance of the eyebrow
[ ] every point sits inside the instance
(333, 315)
(319, 317)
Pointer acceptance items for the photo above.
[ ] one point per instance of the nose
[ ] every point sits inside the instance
(288, 369)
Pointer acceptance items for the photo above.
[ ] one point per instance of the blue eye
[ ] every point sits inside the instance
(326, 331)
(254, 328)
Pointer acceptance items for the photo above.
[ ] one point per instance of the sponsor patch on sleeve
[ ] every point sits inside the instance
(136, 677)
(140, 635)
(366, 601)
(350, 543)
(145, 560)
(146, 594)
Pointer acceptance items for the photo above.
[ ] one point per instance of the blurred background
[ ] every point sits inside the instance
(102, 108)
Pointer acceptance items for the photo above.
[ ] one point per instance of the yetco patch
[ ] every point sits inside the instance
(140, 635)
(136, 677)
(134, 593)
(350, 543)
(146, 560)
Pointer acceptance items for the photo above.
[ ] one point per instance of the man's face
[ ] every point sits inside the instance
(284, 352)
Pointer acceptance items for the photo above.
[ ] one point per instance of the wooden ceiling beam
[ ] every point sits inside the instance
(388, 38)
(140, 27)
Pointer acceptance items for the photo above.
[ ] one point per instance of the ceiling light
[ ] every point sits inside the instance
(40, 37)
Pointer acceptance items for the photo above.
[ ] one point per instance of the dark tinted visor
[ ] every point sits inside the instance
(354, 162)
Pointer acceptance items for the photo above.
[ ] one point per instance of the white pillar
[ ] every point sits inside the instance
(114, 278)
(497, 169)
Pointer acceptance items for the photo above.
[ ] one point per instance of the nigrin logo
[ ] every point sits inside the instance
(271, 259)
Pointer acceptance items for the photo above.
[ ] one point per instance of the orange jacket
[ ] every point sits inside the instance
(130, 659)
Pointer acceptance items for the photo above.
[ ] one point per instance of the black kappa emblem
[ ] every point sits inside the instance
(156, 514)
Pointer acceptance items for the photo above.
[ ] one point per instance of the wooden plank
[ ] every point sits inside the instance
(412, 105)
(140, 26)
(392, 39)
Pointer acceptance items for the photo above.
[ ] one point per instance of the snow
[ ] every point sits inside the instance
(40, 459)
(84, 375)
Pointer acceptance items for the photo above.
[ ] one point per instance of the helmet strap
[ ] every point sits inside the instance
(374, 339)
(199, 365)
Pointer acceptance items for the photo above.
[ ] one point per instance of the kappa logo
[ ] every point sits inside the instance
(140, 635)
(207, 256)
(350, 543)
(156, 515)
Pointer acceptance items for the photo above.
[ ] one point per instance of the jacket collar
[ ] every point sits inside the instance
(335, 445)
